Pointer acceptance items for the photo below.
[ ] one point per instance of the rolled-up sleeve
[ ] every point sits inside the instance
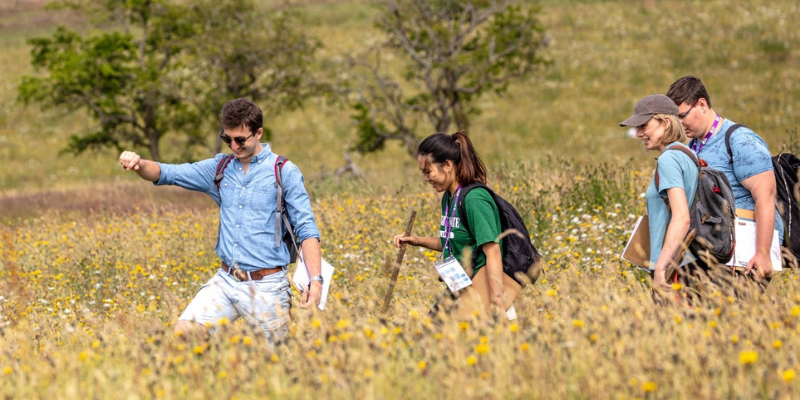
(751, 155)
(198, 176)
(298, 203)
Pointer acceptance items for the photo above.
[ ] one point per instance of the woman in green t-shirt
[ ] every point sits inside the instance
(449, 162)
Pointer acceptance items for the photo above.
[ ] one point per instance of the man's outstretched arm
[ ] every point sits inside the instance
(146, 169)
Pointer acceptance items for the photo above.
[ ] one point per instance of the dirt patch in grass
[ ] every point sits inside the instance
(123, 198)
(30, 16)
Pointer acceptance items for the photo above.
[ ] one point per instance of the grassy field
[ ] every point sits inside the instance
(96, 265)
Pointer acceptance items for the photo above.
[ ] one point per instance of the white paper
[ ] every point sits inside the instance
(453, 274)
(746, 245)
(302, 279)
(511, 313)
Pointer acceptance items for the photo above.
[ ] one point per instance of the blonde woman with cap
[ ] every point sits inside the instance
(674, 182)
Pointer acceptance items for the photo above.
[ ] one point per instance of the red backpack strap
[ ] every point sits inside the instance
(280, 209)
(223, 163)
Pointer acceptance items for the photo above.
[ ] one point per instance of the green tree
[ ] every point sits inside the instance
(115, 76)
(168, 68)
(244, 53)
(451, 53)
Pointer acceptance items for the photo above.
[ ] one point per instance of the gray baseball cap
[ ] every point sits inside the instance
(649, 106)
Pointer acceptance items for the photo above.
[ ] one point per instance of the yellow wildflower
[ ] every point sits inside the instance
(788, 375)
(748, 357)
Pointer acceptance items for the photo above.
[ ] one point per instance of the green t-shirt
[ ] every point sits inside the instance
(484, 222)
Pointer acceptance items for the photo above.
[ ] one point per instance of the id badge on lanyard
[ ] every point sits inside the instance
(449, 268)
(453, 274)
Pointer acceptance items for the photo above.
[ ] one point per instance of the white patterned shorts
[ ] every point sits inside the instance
(263, 303)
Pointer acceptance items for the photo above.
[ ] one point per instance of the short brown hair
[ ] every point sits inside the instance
(238, 112)
(673, 131)
(688, 90)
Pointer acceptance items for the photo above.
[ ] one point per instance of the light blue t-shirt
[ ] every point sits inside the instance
(675, 170)
(750, 157)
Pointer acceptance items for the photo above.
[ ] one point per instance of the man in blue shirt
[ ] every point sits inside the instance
(252, 282)
(751, 174)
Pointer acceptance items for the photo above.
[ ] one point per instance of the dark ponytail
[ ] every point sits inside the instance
(458, 149)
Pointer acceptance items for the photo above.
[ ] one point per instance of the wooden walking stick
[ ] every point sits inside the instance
(393, 282)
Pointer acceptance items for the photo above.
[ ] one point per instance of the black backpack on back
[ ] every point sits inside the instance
(288, 237)
(786, 166)
(711, 213)
(519, 255)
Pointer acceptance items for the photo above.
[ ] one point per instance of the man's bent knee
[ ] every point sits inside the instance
(186, 327)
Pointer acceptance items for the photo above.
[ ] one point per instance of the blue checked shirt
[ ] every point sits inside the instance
(247, 206)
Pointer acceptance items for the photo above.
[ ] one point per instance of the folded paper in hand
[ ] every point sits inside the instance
(302, 279)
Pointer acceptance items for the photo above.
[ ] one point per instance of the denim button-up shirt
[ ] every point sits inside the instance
(247, 206)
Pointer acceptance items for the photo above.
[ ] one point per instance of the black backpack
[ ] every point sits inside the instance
(519, 255)
(786, 167)
(288, 237)
(711, 213)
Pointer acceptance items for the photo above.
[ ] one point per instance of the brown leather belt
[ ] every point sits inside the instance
(257, 275)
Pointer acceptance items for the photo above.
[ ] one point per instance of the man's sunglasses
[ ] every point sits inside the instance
(239, 140)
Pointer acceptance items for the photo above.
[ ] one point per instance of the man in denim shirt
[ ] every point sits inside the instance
(751, 174)
(252, 281)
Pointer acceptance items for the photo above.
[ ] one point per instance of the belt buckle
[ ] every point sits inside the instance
(240, 275)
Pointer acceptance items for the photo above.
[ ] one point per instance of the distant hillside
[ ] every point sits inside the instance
(606, 55)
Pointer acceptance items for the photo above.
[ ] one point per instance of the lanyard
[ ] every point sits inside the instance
(699, 144)
(448, 227)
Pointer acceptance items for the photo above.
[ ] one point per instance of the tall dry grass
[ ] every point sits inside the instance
(95, 268)
(88, 303)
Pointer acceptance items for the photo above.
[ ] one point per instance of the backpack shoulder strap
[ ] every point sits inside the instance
(728, 134)
(277, 169)
(280, 210)
(696, 161)
(462, 207)
(688, 153)
(223, 163)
